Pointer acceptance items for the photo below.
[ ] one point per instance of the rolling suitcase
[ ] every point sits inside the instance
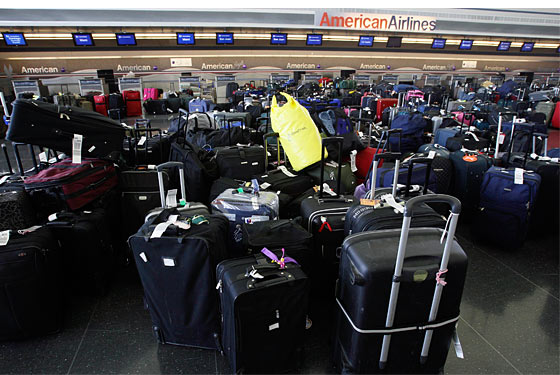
(48, 125)
(86, 244)
(147, 147)
(176, 266)
(382, 104)
(16, 210)
(555, 121)
(101, 106)
(240, 162)
(507, 200)
(468, 172)
(398, 296)
(264, 308)
(155, 107)
(132, 103)
(31, 299)
(547, 108)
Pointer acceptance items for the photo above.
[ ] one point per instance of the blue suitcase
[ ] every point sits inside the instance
(443, 134)
(505, 207)
(468, 170)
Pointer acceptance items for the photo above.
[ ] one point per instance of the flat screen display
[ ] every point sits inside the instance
(366, 41)
(185, 38)
(314, 39)
(504, 46)
(224, 38)
(438, 43)
(14, 39)
(279, 39)
(394, 42)
(527, 47)
(466, 44)
(82, 39)
(126, 39)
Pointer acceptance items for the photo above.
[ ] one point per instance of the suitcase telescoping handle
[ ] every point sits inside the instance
(386, 156)
(171, 164)
(409, 207)
(411, 162)
(500, 119)
(7, 157)
(325, 142)
(265, 137)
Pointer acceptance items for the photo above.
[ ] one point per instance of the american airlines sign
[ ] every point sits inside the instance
(372, 21)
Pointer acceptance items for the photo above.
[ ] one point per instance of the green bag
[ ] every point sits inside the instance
(330, 174)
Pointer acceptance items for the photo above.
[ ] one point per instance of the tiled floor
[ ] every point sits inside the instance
(509, 324)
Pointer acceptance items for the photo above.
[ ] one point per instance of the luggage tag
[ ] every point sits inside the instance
(327, 189)
(265, 185)
(4, 237)
(370, 202)
(431, 154)
(77, 148)
(286, 171)
(501, 138)
(171, 198)
(43, 157)
(91, 149)
(518, 179)
(4, 179)
(353, 167)
(142, 140)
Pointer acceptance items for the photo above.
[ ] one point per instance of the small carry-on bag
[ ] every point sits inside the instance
(147, 147)
(398, 296)
(240, 162)
(132, 102)
(176, 256)
(31, 298)
(48, 125)
(155, 106)
(264, 308)
(69, 186)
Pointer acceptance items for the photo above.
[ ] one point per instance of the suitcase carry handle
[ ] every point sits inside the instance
(142, 122)
(324, 143)
(168, 165)
(409, 207)
(279, 277)
(267, 135)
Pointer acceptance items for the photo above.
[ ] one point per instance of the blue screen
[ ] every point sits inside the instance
(82, 39)
(281, 39)
(365, 41)
(185, 38)
(224, 38)
(504, 46)
(527, 47)
(438, 43)
(314, 39)
(126, 39)
(466, 44)
(14, 39)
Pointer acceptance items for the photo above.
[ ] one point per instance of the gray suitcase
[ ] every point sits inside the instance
(547, 108)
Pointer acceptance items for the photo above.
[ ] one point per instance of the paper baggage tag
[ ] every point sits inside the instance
(501, 138)
(52, 217)
(143, 256)
(255, 219)
(518, 179)
(265, 185)
(286, 171)
(91, 149)
(171, 199)
(353, 167)
(556, 160)
(142, 140)
(327, 189)
(390, 200)
(160, 229)
(43, 157)
(77, 148)
(431, 154)
(369, 202)
(4, 179)
(273, 326)
(255, 203)
(168, 262)
(4, 237)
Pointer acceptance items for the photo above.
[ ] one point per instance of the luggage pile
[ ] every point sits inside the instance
(236, 220)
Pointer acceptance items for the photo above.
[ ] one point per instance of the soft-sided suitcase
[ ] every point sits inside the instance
(240, 162)
(86, 244)
(547, 108)
(507, 200)
(132, 102)
(16, 210)
(155, 107)
(101, 106)
(468, 170)
(31, 289)
(555, 121)
(69, 186)
(48, 125)
(151, 94)
(398, 296)
(147, 147)
(264, 308)
(176, 266)
(285, 181)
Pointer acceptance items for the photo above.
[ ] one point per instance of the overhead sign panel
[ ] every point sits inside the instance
(373, 21)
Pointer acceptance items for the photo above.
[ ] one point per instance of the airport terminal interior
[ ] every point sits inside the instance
(142, 147)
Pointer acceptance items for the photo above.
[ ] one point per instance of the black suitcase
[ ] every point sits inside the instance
(87, 247)
(323, 216)
(52, 126)
(16, 210)
(276, 235)
(240, 162)
(147, 147)
(263, 320)
(31, 297)
(177, 273)
(374, 333)
(155, 107)
(174, 104)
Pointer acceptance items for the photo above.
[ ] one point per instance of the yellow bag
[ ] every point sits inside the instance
(298, 134)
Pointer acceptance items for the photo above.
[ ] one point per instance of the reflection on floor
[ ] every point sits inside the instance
(509, 324)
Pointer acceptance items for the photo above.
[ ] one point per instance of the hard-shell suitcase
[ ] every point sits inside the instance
(555, 121)
(507, 200)
(132, 102)
(382, 104)
(31, 298)
(16, 210)
(150, 93)
(101, 106)
(398, 296)
(48, 125)
(176, 267)
(87, 248)
(69, 186)
(262, 317)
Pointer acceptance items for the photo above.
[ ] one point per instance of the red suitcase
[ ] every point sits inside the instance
(555, 121)
(101, 104)
(132, 102)
(384, 103)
